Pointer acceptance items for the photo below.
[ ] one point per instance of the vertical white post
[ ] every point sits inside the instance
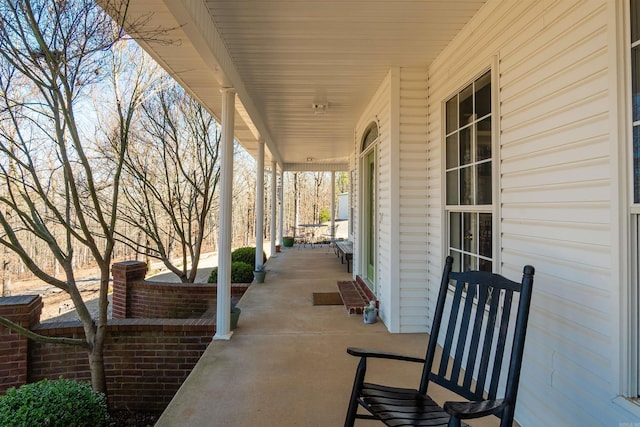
(281, 205)
(223, 313)
(260, 204)
(274, 204)
(333, 206)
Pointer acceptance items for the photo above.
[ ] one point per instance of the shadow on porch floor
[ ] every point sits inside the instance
(286, 364)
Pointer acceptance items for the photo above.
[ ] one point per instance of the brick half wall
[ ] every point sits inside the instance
(136, 298)
(146, 360)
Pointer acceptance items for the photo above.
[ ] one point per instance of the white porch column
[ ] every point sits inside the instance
(260, 204)
(274, 204)
(333, 206)
(223, 312)
(281, 208)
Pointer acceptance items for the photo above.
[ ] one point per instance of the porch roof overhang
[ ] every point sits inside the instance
(303, 71)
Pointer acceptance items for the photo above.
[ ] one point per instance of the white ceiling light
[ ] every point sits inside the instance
(319, 108)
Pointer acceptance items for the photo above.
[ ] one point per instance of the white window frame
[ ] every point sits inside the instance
(493, 207)
(629, 231)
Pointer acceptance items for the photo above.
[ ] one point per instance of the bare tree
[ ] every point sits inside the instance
(172, 175)
(318, 179)
(244, 194)
(56, 191)
(342, 182)
(307, 197)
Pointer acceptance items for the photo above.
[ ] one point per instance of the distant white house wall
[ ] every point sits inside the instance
(556, 158)
(343, 207)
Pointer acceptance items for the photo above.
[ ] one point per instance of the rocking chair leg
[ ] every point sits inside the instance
(355, 392)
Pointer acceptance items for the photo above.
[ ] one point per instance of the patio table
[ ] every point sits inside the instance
(310, 234)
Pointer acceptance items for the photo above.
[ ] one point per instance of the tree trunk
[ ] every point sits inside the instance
(6, 279)
(96, 366)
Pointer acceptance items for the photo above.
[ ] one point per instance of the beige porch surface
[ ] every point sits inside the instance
(286, 364)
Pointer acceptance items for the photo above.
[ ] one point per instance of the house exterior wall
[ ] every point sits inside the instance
(555, 153)
(377, 111)
(555, 193)
(400, 108)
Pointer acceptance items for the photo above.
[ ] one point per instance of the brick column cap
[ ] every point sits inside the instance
(18, 299)
(129, 270)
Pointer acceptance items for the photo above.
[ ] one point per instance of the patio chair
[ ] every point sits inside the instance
(300, 238)
(330, 236)
(476, 364)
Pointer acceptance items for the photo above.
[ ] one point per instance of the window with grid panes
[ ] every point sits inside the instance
(469, 181)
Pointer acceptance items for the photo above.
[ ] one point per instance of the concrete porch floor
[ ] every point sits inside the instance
(286, 363)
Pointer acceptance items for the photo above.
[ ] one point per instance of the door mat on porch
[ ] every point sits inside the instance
(327, 298)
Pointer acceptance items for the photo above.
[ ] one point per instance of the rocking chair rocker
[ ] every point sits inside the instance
(474, 336)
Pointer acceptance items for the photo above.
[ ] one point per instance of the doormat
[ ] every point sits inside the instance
(327, 298)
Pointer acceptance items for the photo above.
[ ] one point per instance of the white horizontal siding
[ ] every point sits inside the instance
(555, 192)
(413, 183)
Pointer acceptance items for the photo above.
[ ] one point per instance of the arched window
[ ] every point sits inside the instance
(370, 135)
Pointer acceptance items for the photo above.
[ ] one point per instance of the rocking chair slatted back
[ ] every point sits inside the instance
(474, 324)
(472, 356)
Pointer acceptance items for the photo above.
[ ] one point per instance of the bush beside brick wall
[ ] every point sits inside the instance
(146, 360)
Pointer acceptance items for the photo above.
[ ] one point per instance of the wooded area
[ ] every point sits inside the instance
(105, 157)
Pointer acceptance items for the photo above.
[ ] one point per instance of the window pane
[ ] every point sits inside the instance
(452, 187)
(456, 261)
(469, 263)
(483, 135)
(455, 230)
(485, 235)
(466, 185)
(484, 187)
(452, 151)
(484, 265)
(370, 135)
(470, 227)
(465, 146)
(635, 83)
(466, 105)
(452, 114)
(483, 95)
(636, 164)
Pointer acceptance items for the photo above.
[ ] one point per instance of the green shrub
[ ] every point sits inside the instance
(60, 403)
(248, 255)
(241, 272)
(325, 215)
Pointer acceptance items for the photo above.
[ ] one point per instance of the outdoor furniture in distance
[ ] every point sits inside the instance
(344, 250)
(311, 231)
(300, 238)
(330, 235)
(479, 306)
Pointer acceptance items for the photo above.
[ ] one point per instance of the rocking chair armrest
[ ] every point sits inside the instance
(468, 410)
(361, 352)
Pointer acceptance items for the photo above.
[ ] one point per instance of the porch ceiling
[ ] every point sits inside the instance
(282, 56)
